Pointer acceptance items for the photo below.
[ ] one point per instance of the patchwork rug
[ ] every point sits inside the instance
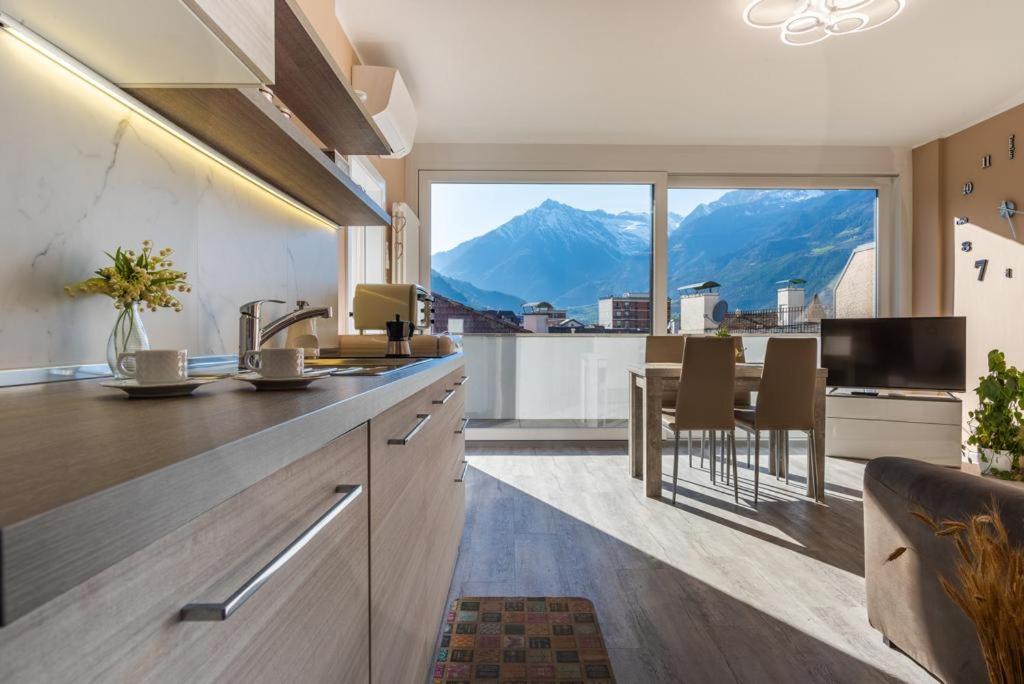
(522, 639)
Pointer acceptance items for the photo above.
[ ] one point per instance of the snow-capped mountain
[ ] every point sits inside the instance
(747, 240)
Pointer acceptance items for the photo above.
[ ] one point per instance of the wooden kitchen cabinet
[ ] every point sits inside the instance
(308, 622)
(416, 517)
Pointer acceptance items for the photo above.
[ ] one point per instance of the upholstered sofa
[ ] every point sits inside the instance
(905, 600)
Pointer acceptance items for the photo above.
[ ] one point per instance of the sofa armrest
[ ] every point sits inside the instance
(905, 599)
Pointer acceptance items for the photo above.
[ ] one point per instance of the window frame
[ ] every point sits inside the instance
(893, 249)
(893, 256)
(659, 210)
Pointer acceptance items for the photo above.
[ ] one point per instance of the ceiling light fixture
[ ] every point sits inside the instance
(806, 22)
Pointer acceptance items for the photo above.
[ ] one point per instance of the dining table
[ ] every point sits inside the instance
(648, 384)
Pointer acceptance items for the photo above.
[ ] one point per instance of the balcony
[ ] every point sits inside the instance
(536, 386)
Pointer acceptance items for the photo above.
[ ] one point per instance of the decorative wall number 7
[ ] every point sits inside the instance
(982, 266)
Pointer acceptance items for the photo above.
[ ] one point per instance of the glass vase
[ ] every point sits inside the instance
(128, 335)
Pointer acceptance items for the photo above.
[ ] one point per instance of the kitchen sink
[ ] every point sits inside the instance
(362, 366)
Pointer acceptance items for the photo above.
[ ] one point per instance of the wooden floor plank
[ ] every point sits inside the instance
(705, 591)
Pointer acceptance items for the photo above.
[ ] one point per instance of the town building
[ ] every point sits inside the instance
(539, 316)
(456, 318)
(854, 293)
(627, 312)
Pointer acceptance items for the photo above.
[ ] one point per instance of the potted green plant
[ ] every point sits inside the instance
(996, 424)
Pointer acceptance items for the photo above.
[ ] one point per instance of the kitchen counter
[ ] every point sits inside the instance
(88, 477)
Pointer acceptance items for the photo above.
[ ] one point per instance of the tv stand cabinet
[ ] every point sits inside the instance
(921, 426)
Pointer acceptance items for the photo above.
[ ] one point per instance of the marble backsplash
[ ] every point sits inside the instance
(80, 174)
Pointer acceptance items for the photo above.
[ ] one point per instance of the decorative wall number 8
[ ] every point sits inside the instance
(982, 266)
(966, 246)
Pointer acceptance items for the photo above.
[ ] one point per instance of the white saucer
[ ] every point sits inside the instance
(134, 389)
(262, 383)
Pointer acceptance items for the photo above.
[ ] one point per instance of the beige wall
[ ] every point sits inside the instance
(990, 305)
(941, 168)
(929, 238)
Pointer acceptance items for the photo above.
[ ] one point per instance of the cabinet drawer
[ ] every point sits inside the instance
(411, 523)
(308, 621)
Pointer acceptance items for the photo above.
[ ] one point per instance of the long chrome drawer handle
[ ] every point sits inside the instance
(462, 475)
(205, 612)
(463, 381)
(462, 428)
(448, 394)
(402, 441)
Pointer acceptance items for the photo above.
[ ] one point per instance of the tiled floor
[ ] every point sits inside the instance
(707, 591)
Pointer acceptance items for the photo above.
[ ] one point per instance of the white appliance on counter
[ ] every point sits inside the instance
(375, 305)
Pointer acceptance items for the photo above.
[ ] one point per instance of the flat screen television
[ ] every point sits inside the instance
(895, 353)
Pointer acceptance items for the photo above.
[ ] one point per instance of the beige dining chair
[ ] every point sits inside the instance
(785, 401)
(669, 349)
(743, 400)
(705, 396)
(664, 349)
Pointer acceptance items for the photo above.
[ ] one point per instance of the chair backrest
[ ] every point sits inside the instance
(785, 397)
(742, 395)
(704, 400)
(664, 348)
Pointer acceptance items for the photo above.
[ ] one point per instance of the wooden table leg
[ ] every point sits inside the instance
(652, 436)
(819, 440)
(636, 427)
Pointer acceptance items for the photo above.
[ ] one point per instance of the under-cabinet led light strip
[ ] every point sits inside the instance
(54, 53)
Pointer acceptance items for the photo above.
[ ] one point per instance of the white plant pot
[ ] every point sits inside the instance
(995, 460)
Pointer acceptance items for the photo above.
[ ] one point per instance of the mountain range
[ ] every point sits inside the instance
(747, 240)
(472, 296)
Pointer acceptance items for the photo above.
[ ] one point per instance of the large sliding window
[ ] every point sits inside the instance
(554, 284)
(549, 285)
(762, 262)
(523, 258)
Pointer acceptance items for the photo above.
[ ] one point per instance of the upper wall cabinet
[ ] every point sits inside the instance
(160, 42)
(314, 86)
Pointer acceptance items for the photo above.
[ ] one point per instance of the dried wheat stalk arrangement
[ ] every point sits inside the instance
(989, 589)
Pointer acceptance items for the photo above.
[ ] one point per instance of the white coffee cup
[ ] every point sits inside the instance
(154, 366)
(276, 363)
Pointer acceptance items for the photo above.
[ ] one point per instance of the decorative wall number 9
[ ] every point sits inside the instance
(982, 266)
(968, 188)
(966, 246)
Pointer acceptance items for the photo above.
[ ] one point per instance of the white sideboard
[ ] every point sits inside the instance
(925, 428)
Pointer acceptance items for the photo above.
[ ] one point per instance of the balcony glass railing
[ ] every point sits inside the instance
(558, 380)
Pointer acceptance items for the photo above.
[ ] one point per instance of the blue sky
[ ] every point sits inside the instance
(461, 211)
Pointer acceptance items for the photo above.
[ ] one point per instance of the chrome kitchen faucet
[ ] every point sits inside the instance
(251, 336)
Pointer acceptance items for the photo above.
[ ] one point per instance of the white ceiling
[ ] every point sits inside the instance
(688, 71)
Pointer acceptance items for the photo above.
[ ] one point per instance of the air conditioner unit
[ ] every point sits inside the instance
(389, 103)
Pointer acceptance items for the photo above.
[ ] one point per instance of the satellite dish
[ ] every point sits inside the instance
(718, 313)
